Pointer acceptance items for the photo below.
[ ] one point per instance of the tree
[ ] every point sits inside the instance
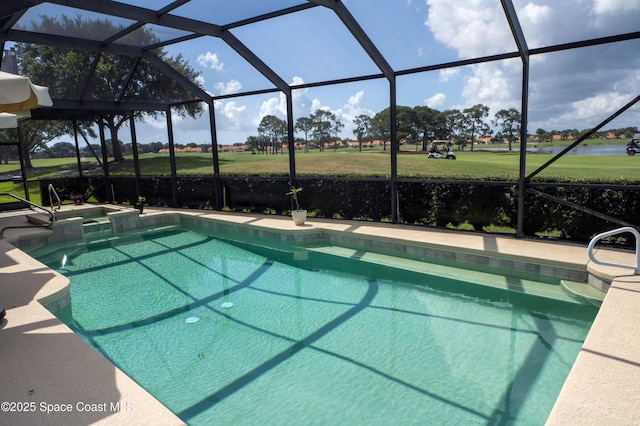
(305, 125)
(274, 130)
(473, 122)
(430, 125)
(322, 126)
(381, 126)
(406, 123)
(63, 150)
(35, 135)
(336, 126)
(509, 121)
(7, 152)
(257, 143)
(64, 71)
(452, 120)
(362, 129)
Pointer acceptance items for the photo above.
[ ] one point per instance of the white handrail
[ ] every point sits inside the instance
(598, 237)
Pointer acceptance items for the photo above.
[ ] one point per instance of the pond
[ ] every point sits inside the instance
(619, 149)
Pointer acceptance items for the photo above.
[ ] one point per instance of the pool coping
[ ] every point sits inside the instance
(33, 340)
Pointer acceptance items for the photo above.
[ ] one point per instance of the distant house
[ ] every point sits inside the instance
(232, 148)
(185, 149)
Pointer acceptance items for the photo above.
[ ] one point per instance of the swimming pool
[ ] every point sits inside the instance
(236, 332)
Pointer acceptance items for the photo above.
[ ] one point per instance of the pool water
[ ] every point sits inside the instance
(234, 334)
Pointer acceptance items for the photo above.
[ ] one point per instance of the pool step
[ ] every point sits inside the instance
(584, 291)
(38, 219)
(94, 229)
(110, 239)
(509, 283)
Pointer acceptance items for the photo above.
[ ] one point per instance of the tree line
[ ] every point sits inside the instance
(418, 125)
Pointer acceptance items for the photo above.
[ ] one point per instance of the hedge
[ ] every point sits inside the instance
(429, 203)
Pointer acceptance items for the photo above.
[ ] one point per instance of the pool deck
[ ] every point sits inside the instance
(44, 363)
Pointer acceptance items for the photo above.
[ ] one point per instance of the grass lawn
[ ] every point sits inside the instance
(479, 164)
(473, 165)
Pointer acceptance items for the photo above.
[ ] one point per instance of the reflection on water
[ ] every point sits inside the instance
(585, 150)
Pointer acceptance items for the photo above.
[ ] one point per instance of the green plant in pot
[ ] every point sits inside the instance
(298, 215)
(140, 204)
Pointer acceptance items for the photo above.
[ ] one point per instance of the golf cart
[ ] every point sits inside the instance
(434, 152)
(633, 147)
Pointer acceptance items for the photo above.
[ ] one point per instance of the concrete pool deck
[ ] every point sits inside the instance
(44, 363)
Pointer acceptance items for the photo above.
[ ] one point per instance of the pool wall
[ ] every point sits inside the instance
(126, 222)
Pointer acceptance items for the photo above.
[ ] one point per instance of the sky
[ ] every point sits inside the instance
(570, 89)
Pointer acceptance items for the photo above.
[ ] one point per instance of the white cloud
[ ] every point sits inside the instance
(355, 99)
(536, 14)
(350, 111)
(273, 106)
(296, 81)
(277, 105)
(614, 6)
(494, 85)
(210, 60)
(569, 89)
(315, 104)
(436, 100)
(230, 116)
(447, 74)
(232, 86)
(471, 27)
(155, 123)
(590, 111)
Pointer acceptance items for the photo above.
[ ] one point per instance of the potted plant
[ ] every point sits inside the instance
(140, 204)
(76, 197)
(299, 215)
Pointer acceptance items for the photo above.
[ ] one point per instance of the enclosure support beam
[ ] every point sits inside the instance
(91, 149)
(395, 147)
(23, 169)
(78, 160)
(523, 149)
(215, 158)
(136, 158)
(290, 139)
(105, 162)
(523, 51)
(172, 159)
(214, 138)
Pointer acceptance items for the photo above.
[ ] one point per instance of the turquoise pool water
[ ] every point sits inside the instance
(237, 334)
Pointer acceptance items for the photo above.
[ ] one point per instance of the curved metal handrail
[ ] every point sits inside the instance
(53, 191)
(51, 213)
(598, 237)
